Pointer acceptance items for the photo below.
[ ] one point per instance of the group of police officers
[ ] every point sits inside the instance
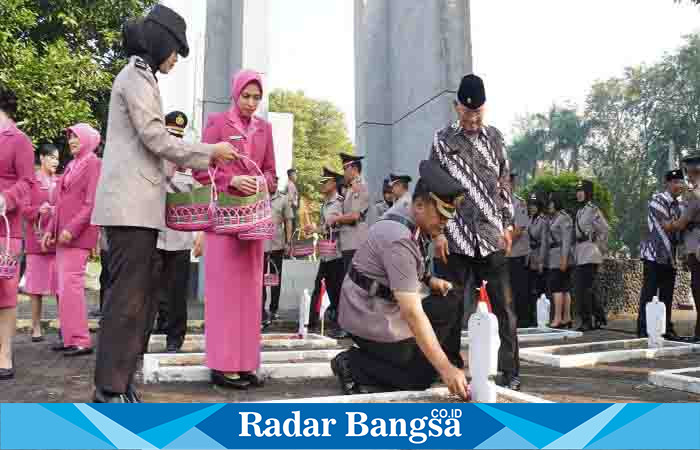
(402, 288)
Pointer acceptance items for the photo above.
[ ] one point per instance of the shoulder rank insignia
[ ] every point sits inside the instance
(140, 64)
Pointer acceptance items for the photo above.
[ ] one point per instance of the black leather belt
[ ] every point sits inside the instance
(553, 246)
(582, 239)
(373, 287)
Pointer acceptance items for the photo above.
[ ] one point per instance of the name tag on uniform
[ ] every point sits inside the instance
(182, 178)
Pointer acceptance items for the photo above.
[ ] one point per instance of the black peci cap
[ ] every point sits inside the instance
(472, 93)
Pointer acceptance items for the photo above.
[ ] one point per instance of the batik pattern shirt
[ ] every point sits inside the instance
(479, 163)
(660, 246)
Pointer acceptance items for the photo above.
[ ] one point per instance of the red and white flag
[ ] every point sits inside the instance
(323, 301)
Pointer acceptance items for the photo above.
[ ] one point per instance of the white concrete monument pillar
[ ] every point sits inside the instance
(410, 57)
(237, 37)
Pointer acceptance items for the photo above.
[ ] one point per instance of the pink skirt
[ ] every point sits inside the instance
(41, 274)
(8, 288)
(233, 302)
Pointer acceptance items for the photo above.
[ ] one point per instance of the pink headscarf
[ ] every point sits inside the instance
(89, 140)
(238, 83)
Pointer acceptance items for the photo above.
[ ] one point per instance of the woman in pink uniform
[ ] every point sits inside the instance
(41, 265)
(74, 237)
(16, 180)
(233, 267)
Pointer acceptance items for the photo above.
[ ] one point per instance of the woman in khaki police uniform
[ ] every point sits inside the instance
(558, 260)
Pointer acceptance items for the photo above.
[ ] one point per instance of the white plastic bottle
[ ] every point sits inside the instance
(543, 311)
(656, 322)
(483, 353)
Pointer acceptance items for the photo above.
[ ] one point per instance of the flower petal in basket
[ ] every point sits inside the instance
(189, 211)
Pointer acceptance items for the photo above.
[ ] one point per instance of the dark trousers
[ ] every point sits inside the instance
(347, 260)
(661, 279)
(589, 306)
(171, 273)
(520, 285)
(104, 276)
(126, 308)
(694, 266)
(494, 270)
(538, 285)
(334, 273)
(276, 258)
(391, 365)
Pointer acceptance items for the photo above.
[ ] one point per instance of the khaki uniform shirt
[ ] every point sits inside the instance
(591, 235)
(281, 212)
(559, 234)
(356, 201)
(332, 208)
(691, 236)
(393, 258)
(380, 208)
(521, 219)
(535, 232)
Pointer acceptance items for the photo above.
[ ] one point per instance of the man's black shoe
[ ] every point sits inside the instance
(133, 395)
(172, 348)
(105, 397)
(340, 365)
(509, 381)
(77, 351)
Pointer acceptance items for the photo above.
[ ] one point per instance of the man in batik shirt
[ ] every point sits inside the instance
(474, 241)
(658, 250)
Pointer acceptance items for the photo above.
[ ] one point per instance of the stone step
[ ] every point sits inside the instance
(190, 374)
(592, 353)
(195, 343)
(437, 395)
(527, 335)
(687, 380)
(193, 326)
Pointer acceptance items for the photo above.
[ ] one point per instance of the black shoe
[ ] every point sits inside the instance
(172, 348)
(37, 338)
(339, 334)
(274, 316)
(7, 374)
(340, 365)
(104, 397)
(265, 324)
(509, 381)
(219, 379)
(585, 327)
(253, 379)
(60, 347)
(77, 351)
(133, 395)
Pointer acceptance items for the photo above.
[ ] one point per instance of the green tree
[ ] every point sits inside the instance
(319, 136)
(61, 57)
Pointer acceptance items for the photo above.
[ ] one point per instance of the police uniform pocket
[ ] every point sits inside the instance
(154, 178)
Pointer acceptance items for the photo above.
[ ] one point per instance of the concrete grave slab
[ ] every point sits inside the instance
(189, 367)
(687, 380)
(588, 354)
(526, 335)
(194, 343)
(433, 395)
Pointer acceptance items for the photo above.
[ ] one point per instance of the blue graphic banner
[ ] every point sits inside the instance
(350, 426)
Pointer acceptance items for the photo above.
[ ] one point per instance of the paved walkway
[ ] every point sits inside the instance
(45, 376)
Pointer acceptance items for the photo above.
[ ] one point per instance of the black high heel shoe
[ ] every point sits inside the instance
(8, 374)
(236, 382)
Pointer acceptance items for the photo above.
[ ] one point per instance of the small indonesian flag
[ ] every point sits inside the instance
(484, 296)
(323, 301)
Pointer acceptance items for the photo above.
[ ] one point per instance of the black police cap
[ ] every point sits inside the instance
(176, 122)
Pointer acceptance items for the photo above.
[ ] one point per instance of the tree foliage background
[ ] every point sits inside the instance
(61, 57)
(320, 135)
(631, 130)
